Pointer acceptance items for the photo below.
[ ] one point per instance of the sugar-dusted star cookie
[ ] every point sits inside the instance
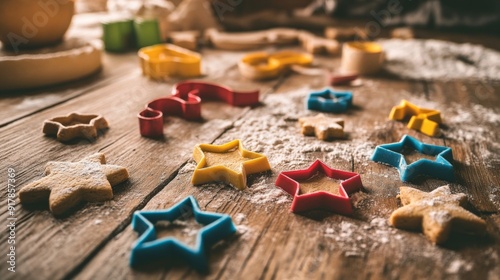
(68, 183)
(75, 125)
(436, 213)
(324, 127)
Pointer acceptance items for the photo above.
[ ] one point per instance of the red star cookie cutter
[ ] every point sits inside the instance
(351, 182)
(185, 102)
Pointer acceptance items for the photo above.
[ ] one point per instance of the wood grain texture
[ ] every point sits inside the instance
(273, 243)
(153, 162)
(18, 104)
(94, 241)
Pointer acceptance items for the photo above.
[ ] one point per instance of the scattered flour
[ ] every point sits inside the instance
(262, 193)
(494, 195)
(441, 217)
(359, 199)
(277, 136)
(244, 232)
(469, 126)
(188, 167)
(378, 222)
(440, 60)
(239, 218)
(463, 123)
(457, 266)
(260, 135)
(357, 240)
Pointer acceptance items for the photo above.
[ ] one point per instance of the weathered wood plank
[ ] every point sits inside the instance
(256, 206)
(19, 104)
(472, 118)
(273, 243)
(51, 248)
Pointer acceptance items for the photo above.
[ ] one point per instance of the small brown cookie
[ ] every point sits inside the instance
(68, 183)
(435, 213)
(318, 45)
(324, 127)
(344, 34)
(75, 125)
(185, 39)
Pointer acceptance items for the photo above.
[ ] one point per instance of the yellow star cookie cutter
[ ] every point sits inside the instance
(436, 213)
(229, 162)
(424, 120)
(322, 126)
(167, 60)
(262, 65)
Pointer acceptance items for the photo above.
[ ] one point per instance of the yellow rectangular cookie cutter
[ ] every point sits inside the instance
(167, 60)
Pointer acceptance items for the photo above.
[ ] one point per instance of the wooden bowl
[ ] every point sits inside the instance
(28, 24)
(73, 59)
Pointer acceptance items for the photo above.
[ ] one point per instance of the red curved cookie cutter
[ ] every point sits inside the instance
(185, 102)
(289, 182)
(342, 79)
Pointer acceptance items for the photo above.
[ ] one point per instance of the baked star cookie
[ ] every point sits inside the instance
(324, 127)
(68, 183)
(436, 213)
(75, 125)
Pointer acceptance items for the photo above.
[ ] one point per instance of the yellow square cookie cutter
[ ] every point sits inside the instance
(262, 65)
(424, 120)
(167, 60)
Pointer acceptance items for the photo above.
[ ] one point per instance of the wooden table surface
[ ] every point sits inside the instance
(94, 240)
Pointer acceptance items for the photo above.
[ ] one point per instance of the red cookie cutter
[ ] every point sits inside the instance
(185, 102)
(342, 79)
(351, 182)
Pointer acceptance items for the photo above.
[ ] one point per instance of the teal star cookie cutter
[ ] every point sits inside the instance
(441, 168)
(329, 101)
(148, 247)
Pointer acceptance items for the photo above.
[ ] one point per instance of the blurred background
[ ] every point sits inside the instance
(478, 15)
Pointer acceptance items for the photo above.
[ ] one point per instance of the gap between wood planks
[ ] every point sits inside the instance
(125, 223)
(260, 253)
(96, 80)
(218, 137)
(139, 91)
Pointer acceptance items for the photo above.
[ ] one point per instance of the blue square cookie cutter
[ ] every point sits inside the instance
(441, 168)
(148, 247)
(329, 101)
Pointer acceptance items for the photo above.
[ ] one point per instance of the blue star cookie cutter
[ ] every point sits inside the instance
(329, 101)
(391, 154)
(148, 247)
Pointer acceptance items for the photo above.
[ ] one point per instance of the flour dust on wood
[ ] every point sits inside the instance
(432, 60)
